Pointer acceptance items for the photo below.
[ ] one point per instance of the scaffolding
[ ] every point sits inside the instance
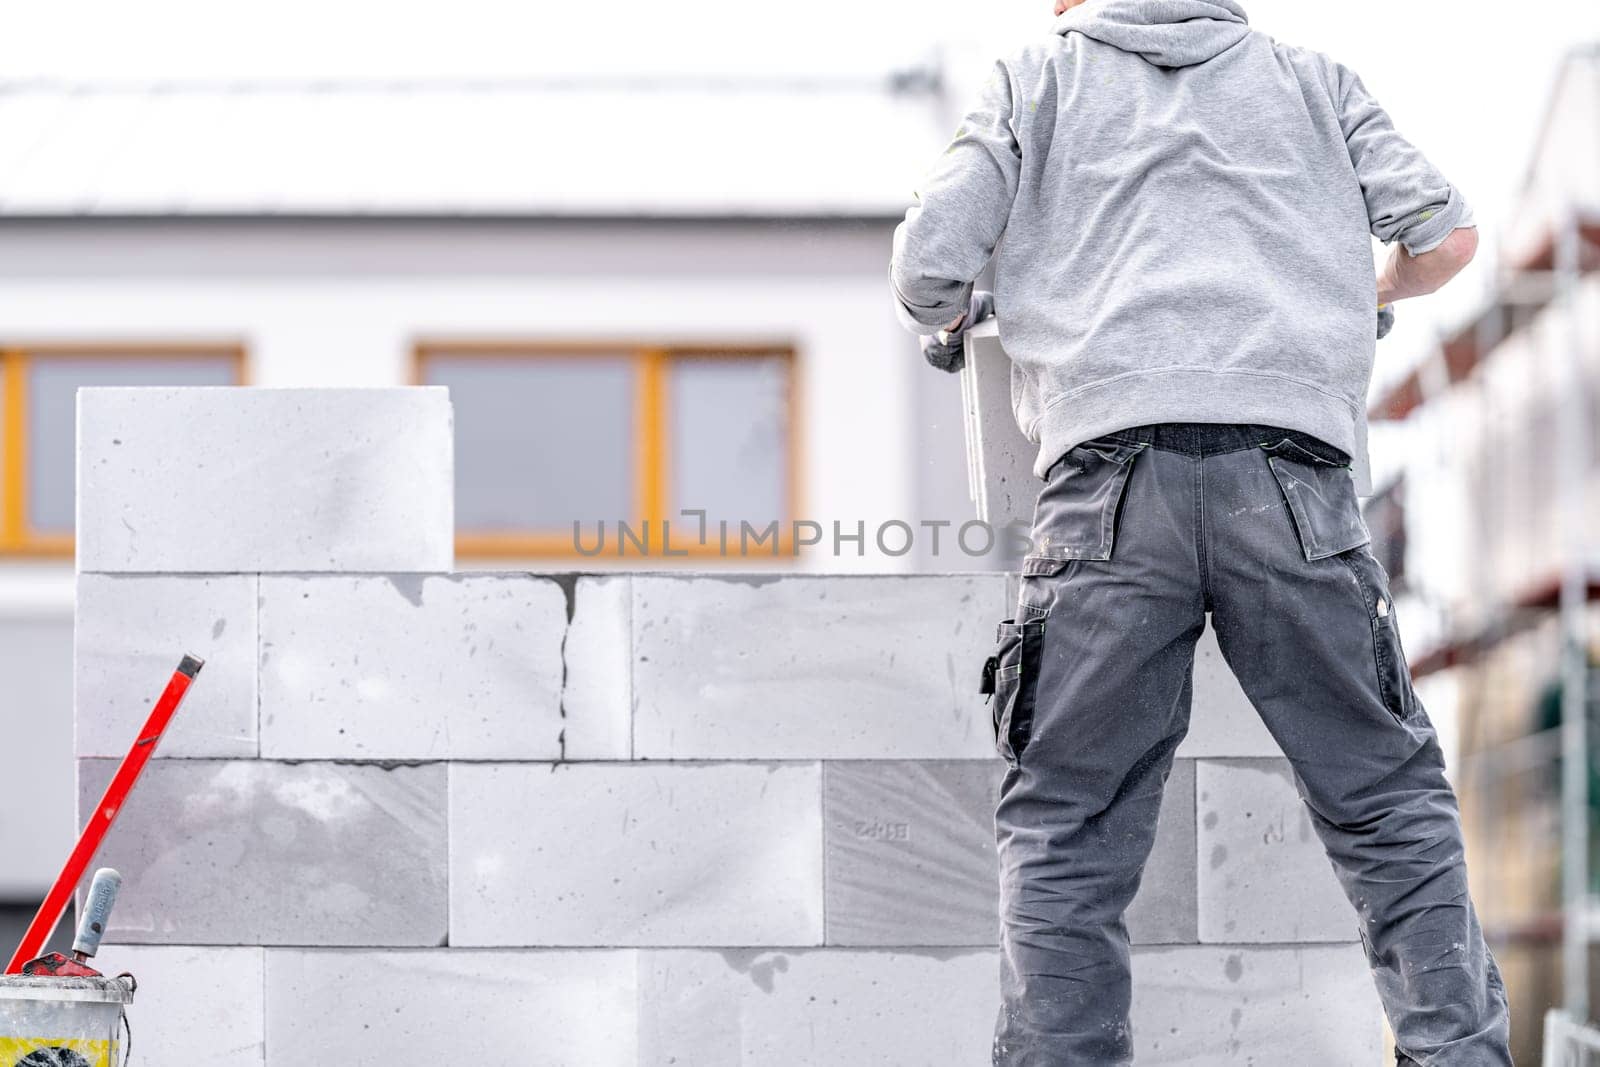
(1537, 303)
(1568, 1043)
(1564, 592)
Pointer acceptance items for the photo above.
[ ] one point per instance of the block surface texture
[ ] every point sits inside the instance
(130, 634)
(598, 696)
(1164, 911)
(411, 667)
(555, 1009)
(231, 479)
(911, 852)
(825, 1008)
(247, 852)
(635, 854)
(195, 1005)
(1264, 875)
(911, 856)
(813, 668)
(1229, 1005)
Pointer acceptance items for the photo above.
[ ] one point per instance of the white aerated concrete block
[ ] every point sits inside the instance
(1224, 722)
(1193, 1005)
(247, 852)
(1229, 1005)
(194, 1005)
(131, 633)
(1264, 875)
(597, 702)
(911, 852)
(805, 668)
(1164, 909)
(554, 1009)
(635, 854)
(245, 479)
(911, 856)
(411, 667)
(822, 1008)
(1000, 458)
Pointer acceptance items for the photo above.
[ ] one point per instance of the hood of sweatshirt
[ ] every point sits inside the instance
(1168, 33)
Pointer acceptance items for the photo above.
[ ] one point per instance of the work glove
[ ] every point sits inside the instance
(1385, 320)
(947, 348)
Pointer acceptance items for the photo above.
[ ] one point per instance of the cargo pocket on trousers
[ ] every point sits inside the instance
(1389, 656)
(1394, 674)
(1321, 497)
(1011, 678)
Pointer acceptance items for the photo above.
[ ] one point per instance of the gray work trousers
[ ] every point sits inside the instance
(1137, 535)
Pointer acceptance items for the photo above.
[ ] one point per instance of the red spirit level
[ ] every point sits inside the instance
(103, 816)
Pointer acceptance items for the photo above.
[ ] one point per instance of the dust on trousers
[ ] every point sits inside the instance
(1137, 536)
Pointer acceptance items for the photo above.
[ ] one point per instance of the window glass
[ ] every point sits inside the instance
(53, 383)
(541, 441)
(5, 516)
(729, 434)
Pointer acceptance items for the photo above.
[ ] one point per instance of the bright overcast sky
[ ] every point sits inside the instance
(1465, 80)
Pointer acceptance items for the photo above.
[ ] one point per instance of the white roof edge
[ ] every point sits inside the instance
(464, 150)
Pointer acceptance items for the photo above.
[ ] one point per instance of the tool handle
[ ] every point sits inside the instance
(97, 912)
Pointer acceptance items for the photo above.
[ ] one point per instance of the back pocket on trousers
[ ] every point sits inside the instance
(1321, 496)
(1012, 675)
(1075, 517)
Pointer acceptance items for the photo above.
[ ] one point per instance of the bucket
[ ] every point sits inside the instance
(62, 1022)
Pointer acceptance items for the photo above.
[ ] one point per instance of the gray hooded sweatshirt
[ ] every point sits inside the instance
(1185, 205)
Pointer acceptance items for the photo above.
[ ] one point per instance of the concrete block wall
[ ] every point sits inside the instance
(410, 816)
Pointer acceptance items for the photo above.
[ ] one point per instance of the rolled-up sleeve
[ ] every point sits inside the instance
(1408, 199)
(962, 207)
